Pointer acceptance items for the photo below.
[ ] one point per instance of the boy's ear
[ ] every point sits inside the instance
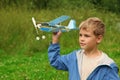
(99, 38)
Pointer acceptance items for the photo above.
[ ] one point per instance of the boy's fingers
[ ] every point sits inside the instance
(54, 33)
(57, 33)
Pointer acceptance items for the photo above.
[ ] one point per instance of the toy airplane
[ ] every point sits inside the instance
(54, 25)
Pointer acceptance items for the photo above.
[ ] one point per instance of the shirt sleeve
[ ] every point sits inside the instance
(56, 60)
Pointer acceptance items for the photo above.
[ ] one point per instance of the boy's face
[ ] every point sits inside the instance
(88, 40)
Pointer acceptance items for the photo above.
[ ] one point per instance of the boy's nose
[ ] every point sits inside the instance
(81, 38)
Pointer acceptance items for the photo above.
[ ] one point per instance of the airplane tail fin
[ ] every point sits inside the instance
(72, 24)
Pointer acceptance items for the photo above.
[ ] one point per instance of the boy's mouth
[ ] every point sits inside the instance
(82, 44)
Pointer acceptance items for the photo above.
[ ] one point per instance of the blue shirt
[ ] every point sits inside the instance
(69, 63)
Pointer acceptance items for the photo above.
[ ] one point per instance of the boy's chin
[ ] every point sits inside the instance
(82, 47)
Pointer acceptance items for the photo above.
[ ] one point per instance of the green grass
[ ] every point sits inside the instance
(24, 58)
(23, 67)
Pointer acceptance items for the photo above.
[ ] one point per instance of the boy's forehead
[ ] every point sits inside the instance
(86, 30)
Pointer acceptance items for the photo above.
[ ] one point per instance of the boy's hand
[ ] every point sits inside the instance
(55, 37)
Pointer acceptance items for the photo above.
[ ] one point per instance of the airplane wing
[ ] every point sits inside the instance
(58, 20)
(51, 29)
(48, 29)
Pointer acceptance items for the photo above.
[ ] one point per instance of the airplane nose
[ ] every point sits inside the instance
(39, 25)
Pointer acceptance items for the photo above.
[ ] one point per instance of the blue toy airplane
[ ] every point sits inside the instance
(54, 25)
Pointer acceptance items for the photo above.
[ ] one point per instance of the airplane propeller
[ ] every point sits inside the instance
(36, 28)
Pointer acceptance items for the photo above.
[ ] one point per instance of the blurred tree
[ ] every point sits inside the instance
(40, 4)
(110, 5)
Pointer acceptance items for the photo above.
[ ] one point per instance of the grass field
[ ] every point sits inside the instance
(24, 58)
(23, 67)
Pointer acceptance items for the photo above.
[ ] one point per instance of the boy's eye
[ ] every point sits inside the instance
(87, 36)
(80, 34)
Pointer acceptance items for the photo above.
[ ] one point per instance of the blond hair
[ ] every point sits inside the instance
(95, 24)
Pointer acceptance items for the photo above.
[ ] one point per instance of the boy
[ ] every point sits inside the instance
(89, 63)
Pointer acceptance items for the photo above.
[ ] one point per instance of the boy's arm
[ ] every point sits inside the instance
(57, 61)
